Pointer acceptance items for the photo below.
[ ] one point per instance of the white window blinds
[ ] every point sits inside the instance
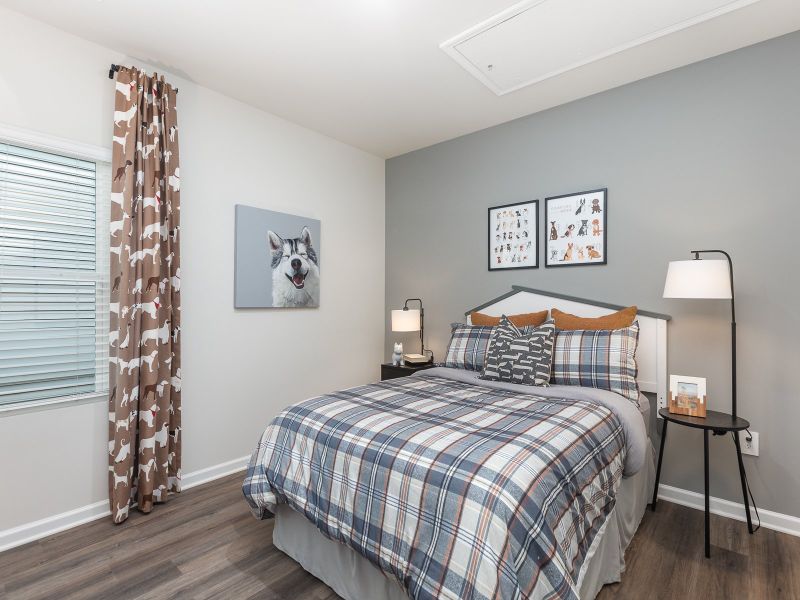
(53, 275)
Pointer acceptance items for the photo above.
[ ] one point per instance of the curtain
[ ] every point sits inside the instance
(145, 321)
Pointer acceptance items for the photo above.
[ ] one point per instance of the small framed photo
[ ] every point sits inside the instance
(575, 229)
(687, 395)
(513, 236)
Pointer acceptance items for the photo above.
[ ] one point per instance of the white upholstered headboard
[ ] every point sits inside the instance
(651, 352)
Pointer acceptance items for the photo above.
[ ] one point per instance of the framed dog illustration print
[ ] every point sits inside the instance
(513, 236)
(575, 229)
(277, 260)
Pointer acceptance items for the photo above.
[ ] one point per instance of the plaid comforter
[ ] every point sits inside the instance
(454, 489)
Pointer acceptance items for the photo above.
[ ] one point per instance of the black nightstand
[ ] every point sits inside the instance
(719, 424)
(390, 371)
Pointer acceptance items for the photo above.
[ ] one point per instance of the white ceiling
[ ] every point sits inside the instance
(370, 72)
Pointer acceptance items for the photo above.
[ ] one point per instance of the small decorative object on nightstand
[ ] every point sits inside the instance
(390, 371)
(397, 355)
(711, 279)
(687, 395)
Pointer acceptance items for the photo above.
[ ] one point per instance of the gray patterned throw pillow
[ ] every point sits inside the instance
(518, 356)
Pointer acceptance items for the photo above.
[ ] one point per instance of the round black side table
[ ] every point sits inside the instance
(718, 423)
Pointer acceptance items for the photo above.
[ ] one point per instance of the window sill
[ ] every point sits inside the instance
(40, 405)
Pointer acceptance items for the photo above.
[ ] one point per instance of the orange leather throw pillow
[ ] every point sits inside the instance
(533, 319)
(618, 320)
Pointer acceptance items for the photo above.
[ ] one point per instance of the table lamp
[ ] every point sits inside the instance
(408, 319)
(709, 279)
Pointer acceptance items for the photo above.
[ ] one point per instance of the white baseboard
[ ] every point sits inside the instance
(29, 532)
(733, 510)
(202, 476)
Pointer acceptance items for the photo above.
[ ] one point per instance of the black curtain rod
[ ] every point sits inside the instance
(114, 68)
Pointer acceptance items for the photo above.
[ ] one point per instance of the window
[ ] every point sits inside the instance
(53, 276)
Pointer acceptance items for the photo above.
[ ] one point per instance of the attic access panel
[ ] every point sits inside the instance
(538, 39)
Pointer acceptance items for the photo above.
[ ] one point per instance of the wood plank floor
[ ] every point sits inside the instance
(205, 544)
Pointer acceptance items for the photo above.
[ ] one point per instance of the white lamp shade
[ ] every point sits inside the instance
(405, 320)
(698, 279)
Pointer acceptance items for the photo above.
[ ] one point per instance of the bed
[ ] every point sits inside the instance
(443, 485)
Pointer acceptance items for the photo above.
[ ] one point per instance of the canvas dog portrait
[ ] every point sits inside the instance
(277, 260)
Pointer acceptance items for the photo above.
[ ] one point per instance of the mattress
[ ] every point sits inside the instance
(645, 410)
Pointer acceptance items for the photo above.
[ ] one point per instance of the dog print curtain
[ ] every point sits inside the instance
(145, 372)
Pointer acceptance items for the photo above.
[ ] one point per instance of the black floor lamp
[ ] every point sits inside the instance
(710, 279)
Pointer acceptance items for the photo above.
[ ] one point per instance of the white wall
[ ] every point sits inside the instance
(239, 367)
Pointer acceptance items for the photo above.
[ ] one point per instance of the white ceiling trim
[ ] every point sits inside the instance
(450, 46)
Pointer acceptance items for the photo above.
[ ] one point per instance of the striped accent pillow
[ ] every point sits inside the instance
(603, 359)
(520, 356)
(467, 347)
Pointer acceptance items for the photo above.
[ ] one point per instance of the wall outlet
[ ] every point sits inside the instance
(749, 447)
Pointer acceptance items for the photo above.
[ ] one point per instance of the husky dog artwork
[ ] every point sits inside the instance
(276, 259)
(295, 272)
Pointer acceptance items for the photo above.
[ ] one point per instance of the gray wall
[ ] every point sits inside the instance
(704, 156)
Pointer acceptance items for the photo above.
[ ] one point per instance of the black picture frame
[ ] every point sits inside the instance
(533, 236)
(547, 231)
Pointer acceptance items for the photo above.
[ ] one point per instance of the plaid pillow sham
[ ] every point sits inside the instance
(518, 356)
(603, 359)
(467, 347)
